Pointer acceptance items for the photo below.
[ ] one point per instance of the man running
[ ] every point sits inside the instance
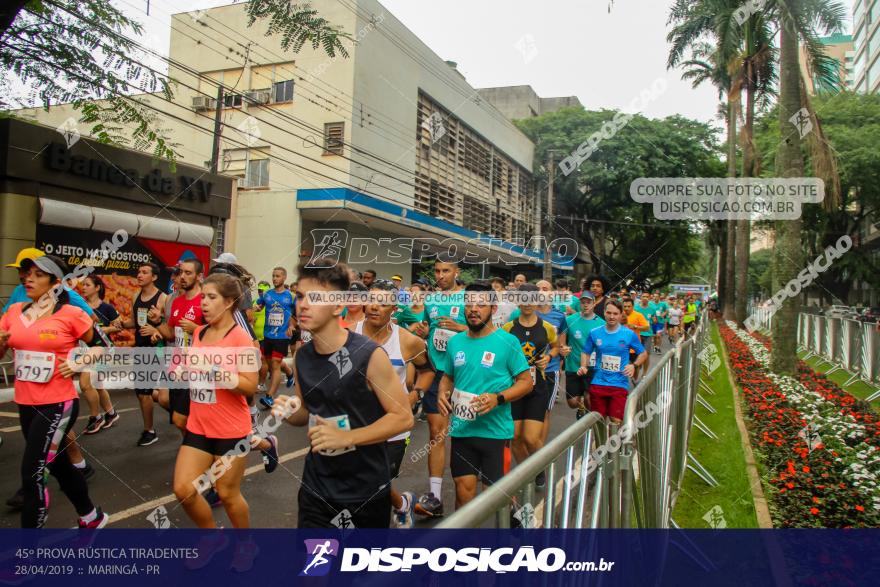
(519, 280)
(352, 400)
(403, 348)
(184, 317)
(579, 327)
(485, 372)
(368, 278)
(649, 310)
(146, 315)
(555, 382)
(446, 318)
(662, 317)
(278, 304)
(636, 322)
(612, 344)
(537, 338)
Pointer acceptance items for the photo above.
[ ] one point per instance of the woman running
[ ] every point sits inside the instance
(42, 332)
(219, 420)
(93, 291)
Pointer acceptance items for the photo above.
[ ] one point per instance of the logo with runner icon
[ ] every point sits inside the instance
(321, 553)
(460, 359)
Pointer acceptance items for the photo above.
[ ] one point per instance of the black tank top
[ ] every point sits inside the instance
(335, 386)
(144, 307)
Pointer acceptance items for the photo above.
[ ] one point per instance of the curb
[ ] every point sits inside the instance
(762, 511)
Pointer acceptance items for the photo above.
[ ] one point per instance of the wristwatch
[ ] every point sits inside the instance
(501, 399)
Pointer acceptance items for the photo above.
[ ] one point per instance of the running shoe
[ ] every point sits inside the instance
(245, 553)
(541, 480)
(109, 420)
(267, 402)
(290, 380)
(148, 438)
(406, 518)
(16, 502)
(94, 425)
(98, 522)
(430, 506)
(270, 456)
(207, 548)
(213, 498)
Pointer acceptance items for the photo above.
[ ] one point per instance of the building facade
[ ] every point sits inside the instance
(390, 142)
(517, 102)
(866, 46)
(838, 47)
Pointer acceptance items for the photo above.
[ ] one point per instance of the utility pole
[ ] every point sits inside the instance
(548, 233)
(218, 130)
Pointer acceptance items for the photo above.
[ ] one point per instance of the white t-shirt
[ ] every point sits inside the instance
(675, 316)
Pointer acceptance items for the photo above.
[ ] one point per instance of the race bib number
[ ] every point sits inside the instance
(340, 422)
(142, 316)
(275, 319)
(611, 363)
(34, 367)
(593, 359)
(461, 405)
(181, 339)
(441, 338)
(203, 395)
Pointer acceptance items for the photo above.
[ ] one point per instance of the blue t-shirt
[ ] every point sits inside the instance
(279, 308)
(612, 354)
(19, 294)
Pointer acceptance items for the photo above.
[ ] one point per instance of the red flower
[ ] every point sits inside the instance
(814, 511)
(860, 508)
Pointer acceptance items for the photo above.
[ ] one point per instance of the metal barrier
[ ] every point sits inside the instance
(634, 471)
(845, 344)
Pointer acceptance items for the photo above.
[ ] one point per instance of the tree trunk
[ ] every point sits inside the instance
(787, 253)
(722, 263)
(744, 227)
(728, 307)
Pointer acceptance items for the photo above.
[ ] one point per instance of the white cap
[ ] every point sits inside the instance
(226, 258)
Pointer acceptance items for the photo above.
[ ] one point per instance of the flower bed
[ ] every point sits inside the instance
(819, 447)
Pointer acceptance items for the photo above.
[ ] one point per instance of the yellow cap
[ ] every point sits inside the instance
(28, 253)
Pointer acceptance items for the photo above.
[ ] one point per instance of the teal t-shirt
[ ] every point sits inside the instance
(572, 302)
(648, 313)
(488, 364)
(438, 305)
(405, 316)
(662, 308)
(578, 330)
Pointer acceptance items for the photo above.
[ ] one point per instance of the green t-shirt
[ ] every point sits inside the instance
(578, 330)
(488, 364)
(405, 316)
(662, 308)
(572, 302)
(437, 305)
(648, 312)
(259, 321)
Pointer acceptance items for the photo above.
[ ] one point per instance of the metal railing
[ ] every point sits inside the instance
(846, 344)
(608, 474)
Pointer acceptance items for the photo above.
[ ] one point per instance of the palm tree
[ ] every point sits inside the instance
(799, 20)
(694, 23)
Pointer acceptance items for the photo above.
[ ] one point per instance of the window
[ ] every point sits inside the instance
(283, 91)
(334, 137)
(232, 100)
(257, 174)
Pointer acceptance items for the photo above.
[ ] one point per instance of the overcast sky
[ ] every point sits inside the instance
(559, 47)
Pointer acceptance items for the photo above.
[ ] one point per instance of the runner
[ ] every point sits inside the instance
(555, 381)
(355, 312)
(636, 322)
(661, 314)
(570, 305)
(690, 315)
(446, 317)
(519, 280)
(181, 322)
(599, 287)
(403, 348)
(485, 372)
(108, 319)
(410, 315)
(676, 312)
(44, 392)
(504, 308)
(649, 310)
(369, 276)
(145, 312)
(578, 327)
(278, 303)
(612, 344)
(352, 400)
(219, 421)
(19, 294)
(537, 338)
(259, 331)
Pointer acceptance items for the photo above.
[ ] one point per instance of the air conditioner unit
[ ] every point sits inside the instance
(200, 103)
(261, 97)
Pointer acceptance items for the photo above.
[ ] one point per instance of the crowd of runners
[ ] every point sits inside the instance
(482, 374)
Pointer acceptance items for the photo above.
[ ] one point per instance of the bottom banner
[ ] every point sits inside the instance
(439, 557)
